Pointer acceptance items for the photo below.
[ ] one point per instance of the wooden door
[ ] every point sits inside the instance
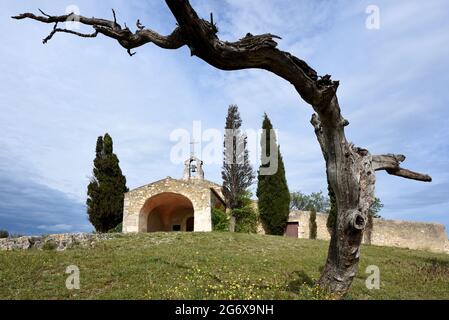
(292, 229)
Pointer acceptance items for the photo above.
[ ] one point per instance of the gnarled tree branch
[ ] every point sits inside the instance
(111, 29)
(391, 164)
(56, 30)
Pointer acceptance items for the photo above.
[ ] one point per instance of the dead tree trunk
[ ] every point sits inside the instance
(350, 170)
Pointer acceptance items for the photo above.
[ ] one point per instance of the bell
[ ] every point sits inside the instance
(194, 168)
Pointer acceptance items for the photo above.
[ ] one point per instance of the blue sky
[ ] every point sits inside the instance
(57, 98)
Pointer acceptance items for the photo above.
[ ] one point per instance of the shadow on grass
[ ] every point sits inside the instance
(435, 268)
(300, 278)
(168, 263)
(437, 262)
(305, 288)
(182, 266)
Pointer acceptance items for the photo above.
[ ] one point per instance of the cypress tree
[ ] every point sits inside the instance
(237, 172)
(272, 190)
(105, 192)
(312, 224)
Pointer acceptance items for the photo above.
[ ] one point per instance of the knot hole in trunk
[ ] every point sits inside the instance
(358, 221)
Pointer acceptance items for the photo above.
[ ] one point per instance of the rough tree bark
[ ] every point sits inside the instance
(350, 170)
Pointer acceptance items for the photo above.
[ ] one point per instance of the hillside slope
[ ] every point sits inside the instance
(213, 266)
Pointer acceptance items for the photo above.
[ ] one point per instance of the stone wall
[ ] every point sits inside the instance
(404, 234)
(302, 217)
(412, 235)
(58, 242)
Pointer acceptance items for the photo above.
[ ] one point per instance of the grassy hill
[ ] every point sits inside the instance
(213, 266)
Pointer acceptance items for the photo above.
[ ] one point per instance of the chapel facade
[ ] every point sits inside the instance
(173, 204)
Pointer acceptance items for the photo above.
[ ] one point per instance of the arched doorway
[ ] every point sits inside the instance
(167, 212)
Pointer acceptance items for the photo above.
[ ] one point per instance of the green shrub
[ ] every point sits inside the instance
(220, 220)
(4, 234)
(246, 218)
(50, 245)
(117, 229)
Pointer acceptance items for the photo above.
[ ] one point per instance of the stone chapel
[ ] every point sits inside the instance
(173, 204)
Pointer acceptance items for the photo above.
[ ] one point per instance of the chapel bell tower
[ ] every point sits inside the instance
(193, 167)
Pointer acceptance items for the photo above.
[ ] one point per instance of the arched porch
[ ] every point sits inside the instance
(167, 212)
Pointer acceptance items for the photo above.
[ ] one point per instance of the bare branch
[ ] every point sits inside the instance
(200, 35)
(387, 161)
(44, 13)
(131, 53)
(115, 17)
(404, 173)
(68, 17)
(139, 25)
(55, 30)
(391, 164)
(111, 29)
(250, 52)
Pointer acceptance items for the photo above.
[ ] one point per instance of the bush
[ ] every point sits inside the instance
(246, 218)
(50, 245)
(4, 234)
(117, 229)
(220, 220)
